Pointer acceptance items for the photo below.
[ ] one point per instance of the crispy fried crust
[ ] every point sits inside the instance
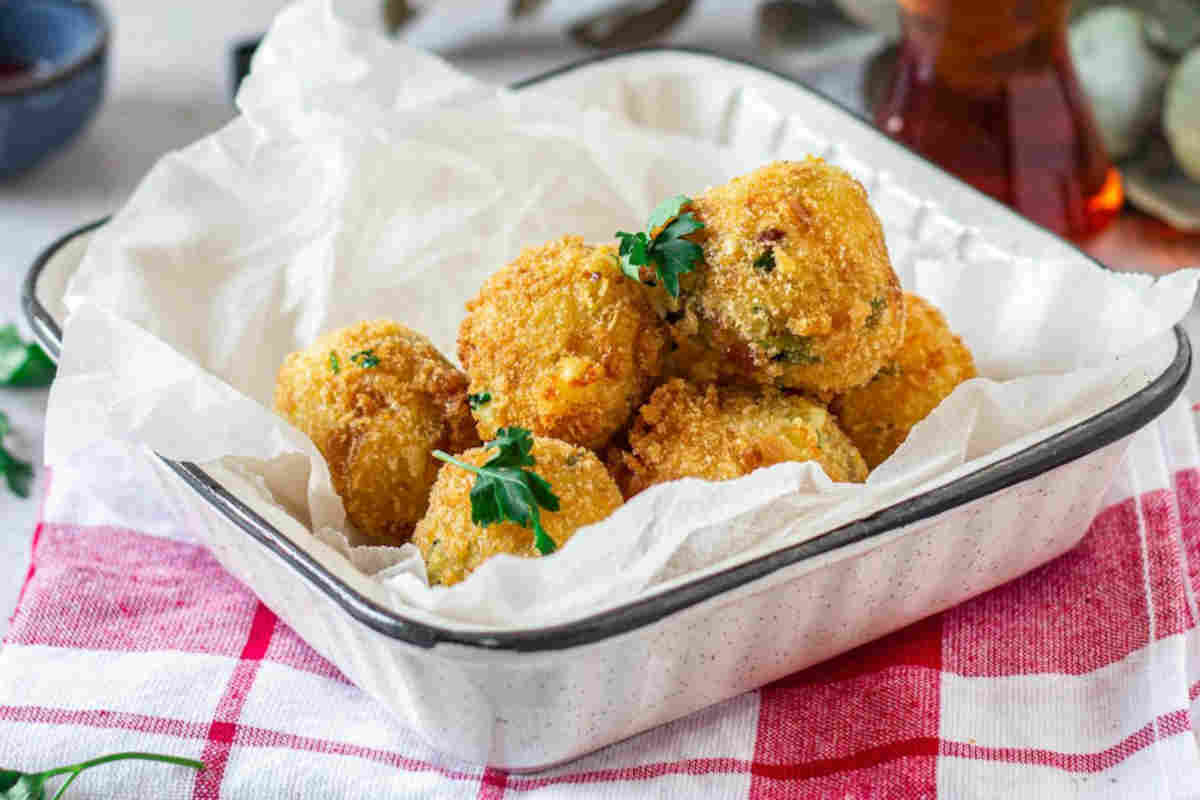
(796, 288)
(564, 343)
(453, 546)
(376, 426)
(929, 364)
(723, 432)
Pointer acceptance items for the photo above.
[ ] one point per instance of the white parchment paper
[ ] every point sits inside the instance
(364, 179)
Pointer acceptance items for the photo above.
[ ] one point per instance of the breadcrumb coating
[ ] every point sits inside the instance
(377, 398)
(563, 342)
(931, 361)
(723, 432)
(453, 546)
(796, 288)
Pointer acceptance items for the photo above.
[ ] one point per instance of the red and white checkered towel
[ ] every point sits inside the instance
(1078, 680)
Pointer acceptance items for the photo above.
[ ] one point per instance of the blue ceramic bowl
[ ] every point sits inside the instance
(53, 56)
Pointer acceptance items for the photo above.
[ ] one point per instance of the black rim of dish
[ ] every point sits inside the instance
(1085, 437)
(63, 72)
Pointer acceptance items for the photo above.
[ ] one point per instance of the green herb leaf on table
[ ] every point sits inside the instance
(505, 490)
(23, 363)
(19, 786)
(16, 785)
(667, 252)
(17, 474)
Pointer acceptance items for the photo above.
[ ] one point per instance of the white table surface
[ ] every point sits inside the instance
(169, 84)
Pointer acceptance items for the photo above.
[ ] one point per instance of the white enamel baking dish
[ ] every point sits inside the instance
(527, 699)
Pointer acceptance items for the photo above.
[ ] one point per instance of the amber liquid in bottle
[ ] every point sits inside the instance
(987, 90)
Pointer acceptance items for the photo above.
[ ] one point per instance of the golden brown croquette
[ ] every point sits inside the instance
(376, 398)
(453, 545)
(562, 343)
(795, 289)
(723, 432)
(929, 364)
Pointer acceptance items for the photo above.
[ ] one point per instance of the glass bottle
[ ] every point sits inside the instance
(987, 90)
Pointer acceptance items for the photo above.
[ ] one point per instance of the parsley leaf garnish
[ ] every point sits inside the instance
(365, 358)
(22, 363)
(503, 490)
(668, 253)
(334, 364)
(479, 400)
(878, 305)
(17, 473)
(794, 349)
(16, 785)
(766, 262)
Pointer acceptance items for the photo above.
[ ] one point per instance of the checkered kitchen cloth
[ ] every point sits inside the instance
(1078, 680)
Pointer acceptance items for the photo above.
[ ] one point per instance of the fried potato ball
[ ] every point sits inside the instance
(929, 364)
(562, 343)
(453, 545)
(723, 432)
(376, 398)
(795, 289)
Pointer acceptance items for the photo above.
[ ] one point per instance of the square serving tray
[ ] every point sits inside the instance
(527, 699)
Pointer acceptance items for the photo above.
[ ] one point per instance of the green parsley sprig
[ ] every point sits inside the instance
(16, 785)
(23, 363)
(667, 252)
(479, 400)
(17, 473)
(366, 358)
(504, 490)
